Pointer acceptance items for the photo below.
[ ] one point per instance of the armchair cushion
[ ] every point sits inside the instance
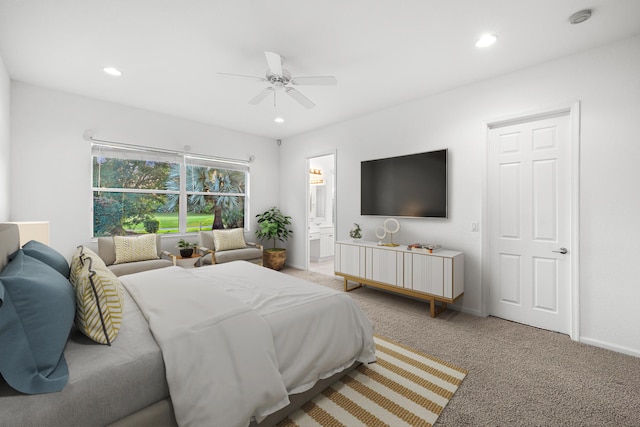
(135, 248)
(107, 249)
(252, 254)
(107, 252)
(226, 240)
(212, 255)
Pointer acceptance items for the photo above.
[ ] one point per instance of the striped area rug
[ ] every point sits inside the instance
(403, 388)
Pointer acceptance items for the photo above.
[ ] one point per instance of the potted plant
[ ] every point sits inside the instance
(186, 248)
(355, 233)
(272, 225)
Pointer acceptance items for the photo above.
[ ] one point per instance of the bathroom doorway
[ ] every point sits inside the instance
(321, 213)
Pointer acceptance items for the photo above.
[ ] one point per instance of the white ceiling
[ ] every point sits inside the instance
(383, 52)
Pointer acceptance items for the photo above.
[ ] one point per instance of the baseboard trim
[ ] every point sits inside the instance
(466, 310)
(609, 346)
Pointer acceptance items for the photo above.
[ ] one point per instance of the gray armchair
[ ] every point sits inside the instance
(231, 247)
(107, 251)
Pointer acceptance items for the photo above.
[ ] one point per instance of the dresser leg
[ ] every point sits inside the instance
(347, 289)
(436, 310)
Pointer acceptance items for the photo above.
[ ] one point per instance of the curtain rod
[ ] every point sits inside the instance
(88, 135)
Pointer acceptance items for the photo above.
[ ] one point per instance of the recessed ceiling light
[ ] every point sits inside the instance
(278, 120)
(580, 17)
(486, 40)
(112, 71)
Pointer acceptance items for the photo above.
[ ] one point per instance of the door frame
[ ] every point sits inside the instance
(572, 109)
(307, 246)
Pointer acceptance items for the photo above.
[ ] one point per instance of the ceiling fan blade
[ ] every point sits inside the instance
(274, 61)
(315, 80)
(303, 100)
(262, 79)
(260, 96)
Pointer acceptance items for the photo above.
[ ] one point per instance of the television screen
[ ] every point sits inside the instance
(414, 185)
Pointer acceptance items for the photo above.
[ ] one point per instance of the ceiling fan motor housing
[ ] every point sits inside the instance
(284, 79)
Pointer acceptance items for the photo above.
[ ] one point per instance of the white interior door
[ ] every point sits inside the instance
(529, 218)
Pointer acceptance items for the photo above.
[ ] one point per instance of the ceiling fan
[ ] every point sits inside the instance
(280, 80)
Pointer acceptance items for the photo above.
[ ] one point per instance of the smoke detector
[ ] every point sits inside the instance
(580, 17)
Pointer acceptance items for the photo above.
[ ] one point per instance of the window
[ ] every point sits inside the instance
(138, 190)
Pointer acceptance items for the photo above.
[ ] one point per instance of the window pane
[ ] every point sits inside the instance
(203, 179)
(139, 174)
(132, 213)
(214, 212)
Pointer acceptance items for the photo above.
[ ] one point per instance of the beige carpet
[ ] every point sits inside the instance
(518, 375)
(403, 388)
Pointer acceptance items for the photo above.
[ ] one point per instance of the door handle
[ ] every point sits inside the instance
(561, 251)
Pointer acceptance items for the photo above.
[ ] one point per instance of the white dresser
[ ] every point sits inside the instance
(437, 276)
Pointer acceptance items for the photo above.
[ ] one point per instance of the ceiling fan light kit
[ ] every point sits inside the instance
(280, 79)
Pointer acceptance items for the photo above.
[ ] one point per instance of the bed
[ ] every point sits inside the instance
(230, 344)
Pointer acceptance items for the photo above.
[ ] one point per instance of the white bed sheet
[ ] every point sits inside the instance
(220, 361)
(237, 338)
(317, 331)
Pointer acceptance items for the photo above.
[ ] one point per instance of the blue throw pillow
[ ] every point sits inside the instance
(35, 320)
(48, 255)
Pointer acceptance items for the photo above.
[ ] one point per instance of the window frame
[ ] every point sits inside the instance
(183, 159)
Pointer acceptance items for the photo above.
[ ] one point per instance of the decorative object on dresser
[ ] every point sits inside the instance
(390, 226)
(273, 226)
(424, 247)
(356, 232)
(432, 277)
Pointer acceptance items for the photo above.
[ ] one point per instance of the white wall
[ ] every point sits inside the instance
(52, 162)
(605, 80)
(5, 148)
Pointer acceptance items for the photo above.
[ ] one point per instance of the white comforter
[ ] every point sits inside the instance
(236, 338)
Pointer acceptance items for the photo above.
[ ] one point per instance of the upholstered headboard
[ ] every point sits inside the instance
(9, 242)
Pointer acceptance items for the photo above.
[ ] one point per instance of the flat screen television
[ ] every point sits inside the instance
(414, 185)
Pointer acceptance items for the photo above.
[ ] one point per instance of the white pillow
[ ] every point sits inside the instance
(135, 248)
(225, 240)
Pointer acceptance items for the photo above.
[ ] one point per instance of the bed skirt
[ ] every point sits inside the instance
(161, 414)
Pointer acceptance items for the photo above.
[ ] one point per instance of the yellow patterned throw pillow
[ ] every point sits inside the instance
(138, 248)
(77, 262)
(99, 301)
(225, 240)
